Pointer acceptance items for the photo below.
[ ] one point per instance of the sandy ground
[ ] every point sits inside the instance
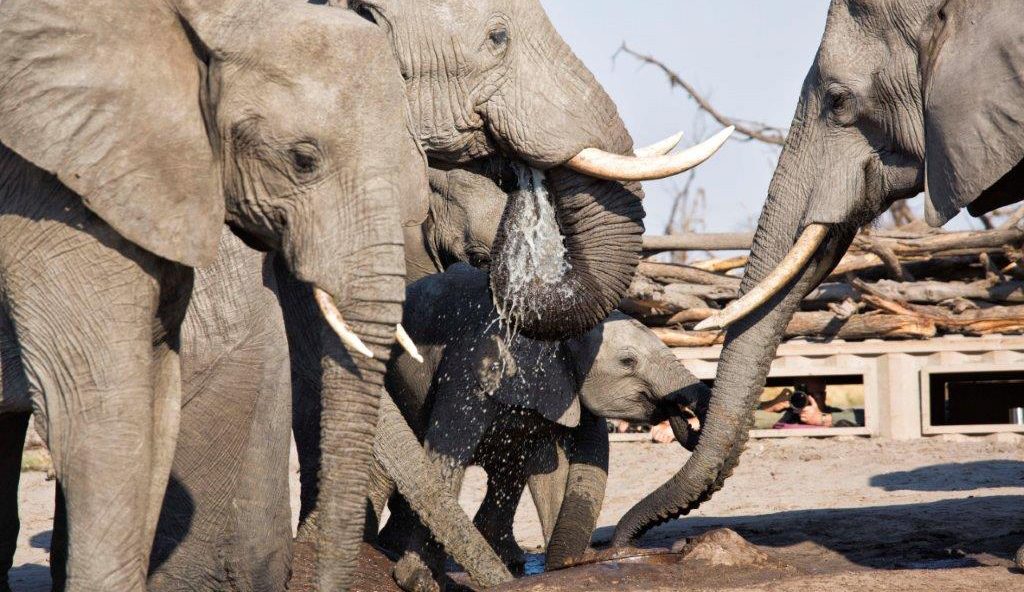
(851, 514)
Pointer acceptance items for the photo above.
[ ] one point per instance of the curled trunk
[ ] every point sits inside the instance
(750, 347)
(601, 223)
(552, 110)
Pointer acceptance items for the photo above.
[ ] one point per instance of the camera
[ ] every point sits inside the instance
(800, 398)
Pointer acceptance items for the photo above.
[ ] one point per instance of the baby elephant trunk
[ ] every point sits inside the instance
(686, 407)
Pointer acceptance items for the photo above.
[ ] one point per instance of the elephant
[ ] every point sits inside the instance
(902, 97)
(494, 78)
(129, 136)
(485, 398)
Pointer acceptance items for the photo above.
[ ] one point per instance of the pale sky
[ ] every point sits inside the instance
(749, 57)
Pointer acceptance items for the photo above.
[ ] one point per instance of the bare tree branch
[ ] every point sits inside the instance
(753, 130)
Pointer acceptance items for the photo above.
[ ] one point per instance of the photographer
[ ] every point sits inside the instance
(804, 406)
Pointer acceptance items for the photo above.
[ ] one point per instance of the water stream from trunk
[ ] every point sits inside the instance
(536, 253)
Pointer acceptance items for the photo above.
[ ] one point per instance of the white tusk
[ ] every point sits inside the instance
(794, 262)
(661, 148)
(614, 167)
(407, 343)
(335, 320)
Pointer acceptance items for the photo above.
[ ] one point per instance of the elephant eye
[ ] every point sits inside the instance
(498, 39)
(305, 160)
(629, 361)
(841, 106)
(364, 10)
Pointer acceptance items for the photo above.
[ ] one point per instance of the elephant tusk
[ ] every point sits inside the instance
(660, 148)
(407, 343)
(614, 167)
(333, 317)
(791, 266)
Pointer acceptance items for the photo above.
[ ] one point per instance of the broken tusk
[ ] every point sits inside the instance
(337, 322)
(407, 343)
(660, 148)
(615, 167)
(791, 266)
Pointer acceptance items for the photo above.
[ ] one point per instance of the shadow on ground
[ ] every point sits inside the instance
(967, 476)
(41, 540)
(939, 535)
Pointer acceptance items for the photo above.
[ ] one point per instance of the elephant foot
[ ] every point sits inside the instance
(413, 575)
(1019, 559)
(511, 555)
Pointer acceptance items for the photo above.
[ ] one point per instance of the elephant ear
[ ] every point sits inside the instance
(105, 95)
(972, 69)
(534, 375)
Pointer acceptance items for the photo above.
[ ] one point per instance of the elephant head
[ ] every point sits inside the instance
(494, 77)
(169, 118)
(875, 120)
(466, 206)
(625, 372)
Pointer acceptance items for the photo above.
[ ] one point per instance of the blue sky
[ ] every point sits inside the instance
(749, 57)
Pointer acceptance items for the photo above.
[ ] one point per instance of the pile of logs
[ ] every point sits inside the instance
(909, 283)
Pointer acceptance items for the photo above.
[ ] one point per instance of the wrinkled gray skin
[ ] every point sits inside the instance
(494, 78)
(479, 400)
(116, 177)
(865, 127)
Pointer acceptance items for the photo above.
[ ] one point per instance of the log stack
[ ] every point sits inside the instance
(908, 283)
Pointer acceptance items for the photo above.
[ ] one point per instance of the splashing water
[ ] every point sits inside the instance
(536, 254)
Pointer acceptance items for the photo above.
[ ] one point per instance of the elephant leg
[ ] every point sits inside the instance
(496, 517)
(59, 542)
(547, 484)
(584, 491)
(226, 515)
(13, 427)
(97, 321)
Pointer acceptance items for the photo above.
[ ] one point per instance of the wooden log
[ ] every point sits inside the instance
(950, 243)
(956, 268)
(672, 273)
(859, 326)
(693, 315)
(822, 325)
(983, 321)
(722, 265)
(936, 292)
(643, 289)
(969, 321)
(854, 262)
(734, 241)
(716, 293)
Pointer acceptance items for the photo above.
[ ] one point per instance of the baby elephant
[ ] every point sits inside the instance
(523, 409)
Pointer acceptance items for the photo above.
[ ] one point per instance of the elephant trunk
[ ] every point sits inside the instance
(584, 492)
(682, 398)
(750, 347)
(601, 228)
(404, 459)
(600, 221)
(352, 388)
(351, 262)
